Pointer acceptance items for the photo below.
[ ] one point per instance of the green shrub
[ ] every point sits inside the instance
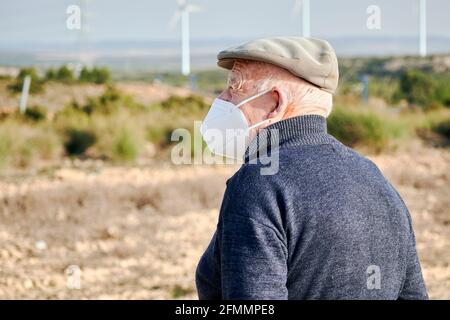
(125, 146)
(192, 104)
(433, 106)
(110, 102)
(418, 88)
(159, 135)
(50, 74)
(63, 74)
(386, 88)
(36, 85)
(78, 141)
(100, 105)
(434, 128)
(35, 113)
(443, 91)
(95, 75)
(21, 144)
(362, 129)
(442, 128)
(70, 117)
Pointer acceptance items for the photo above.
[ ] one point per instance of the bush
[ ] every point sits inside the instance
(36, 85)
(35, 113)
(434, 128)
(21, 144)
(433, 106)
(72, 117)
(417, 87)
(362, 129)
(192, 104)
(110, 102)
(443, 129)
(107, 103)
(159, 135)
(125, 146)
(78, 141)
(63, 74)
(443, 90)
(95, 75)
(386, 88)
(50, 74)
(72, 109)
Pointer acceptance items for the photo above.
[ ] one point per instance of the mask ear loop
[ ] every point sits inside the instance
(252, 98)
(258, 124)
(246, 100)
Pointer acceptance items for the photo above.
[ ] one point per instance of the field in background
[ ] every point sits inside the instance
(126, 123)
(86, 177)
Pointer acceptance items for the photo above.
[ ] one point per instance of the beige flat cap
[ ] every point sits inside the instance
(308, 58)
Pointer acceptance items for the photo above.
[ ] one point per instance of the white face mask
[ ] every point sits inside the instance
(225, 128)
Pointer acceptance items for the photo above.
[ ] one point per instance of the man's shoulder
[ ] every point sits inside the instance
(298, 165)
(250, 174)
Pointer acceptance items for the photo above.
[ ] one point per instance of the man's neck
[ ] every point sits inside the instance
(304, 110)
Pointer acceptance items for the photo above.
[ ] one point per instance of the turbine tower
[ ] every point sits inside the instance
(423, 27)
(184, 9)
(304, 7)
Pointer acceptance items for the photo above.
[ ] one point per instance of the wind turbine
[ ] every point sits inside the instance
(184, 9)
(303, 6)
(423, 27)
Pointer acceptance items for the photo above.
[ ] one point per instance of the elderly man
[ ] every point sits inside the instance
(327, 225)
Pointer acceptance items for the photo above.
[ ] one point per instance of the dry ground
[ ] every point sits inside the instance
(138, 232)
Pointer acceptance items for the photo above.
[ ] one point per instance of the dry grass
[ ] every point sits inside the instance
(139, 232)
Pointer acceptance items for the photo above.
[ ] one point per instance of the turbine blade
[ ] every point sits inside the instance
(194, 8)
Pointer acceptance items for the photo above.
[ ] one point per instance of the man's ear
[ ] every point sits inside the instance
(281, 104)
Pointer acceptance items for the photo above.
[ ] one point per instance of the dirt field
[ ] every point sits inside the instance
(138, 232)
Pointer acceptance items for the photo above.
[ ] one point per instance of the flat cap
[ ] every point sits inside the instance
(311, 59)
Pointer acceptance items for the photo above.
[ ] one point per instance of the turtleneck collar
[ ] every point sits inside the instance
(301, 130)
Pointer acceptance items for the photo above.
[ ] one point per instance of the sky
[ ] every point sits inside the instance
(40, 21)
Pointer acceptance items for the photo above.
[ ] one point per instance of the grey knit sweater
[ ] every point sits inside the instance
(327, 225)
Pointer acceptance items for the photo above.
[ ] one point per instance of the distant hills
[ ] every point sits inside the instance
(165, 55)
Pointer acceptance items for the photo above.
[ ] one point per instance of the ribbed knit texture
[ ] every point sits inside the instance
(304, 130)
(327, 225)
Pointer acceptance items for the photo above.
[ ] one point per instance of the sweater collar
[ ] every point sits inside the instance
(301, 130)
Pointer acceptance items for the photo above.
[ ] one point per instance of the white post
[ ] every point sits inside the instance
(306, 18)
(24, 96)
(185, 62)
(423, 27)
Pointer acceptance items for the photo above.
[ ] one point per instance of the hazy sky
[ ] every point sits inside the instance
(23, 21)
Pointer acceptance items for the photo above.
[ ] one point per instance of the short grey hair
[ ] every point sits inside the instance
(303, 96)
